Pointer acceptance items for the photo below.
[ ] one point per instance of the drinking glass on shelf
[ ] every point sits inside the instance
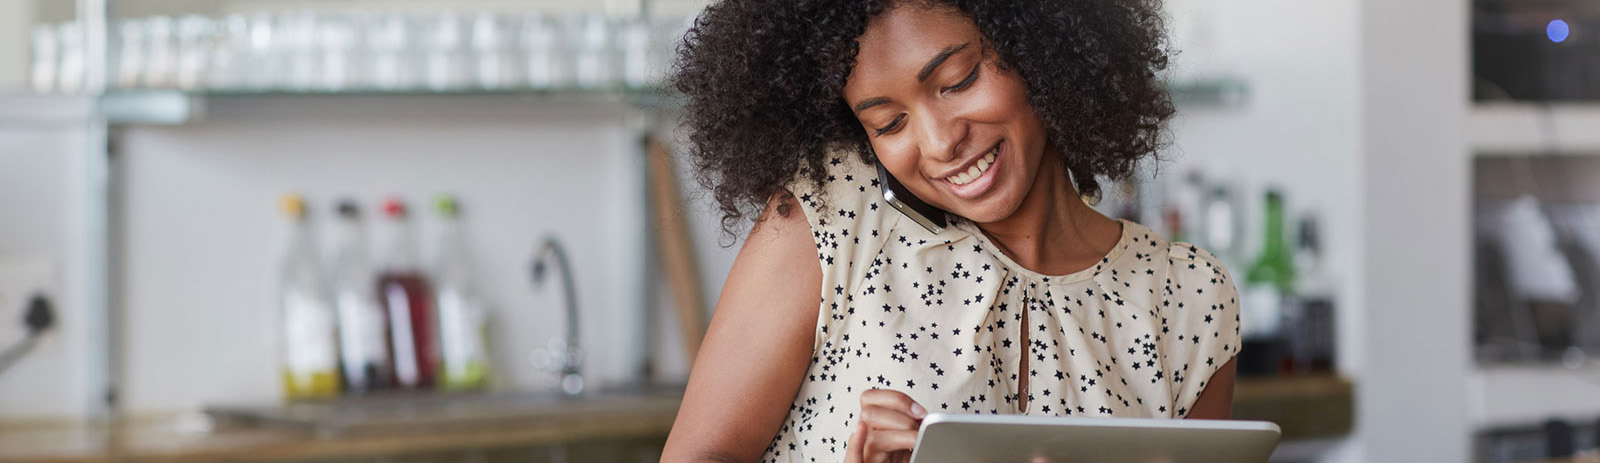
(69, 76)
(129, 59)
(490, 51)
(296, 40)
(336, 40)
(46, 58)
(446, 67)
(230, 45)
(591, 51)
(543, 51)
(634, 48)
(263, 69)
(194, 50)
(389, 42)
(161, 60)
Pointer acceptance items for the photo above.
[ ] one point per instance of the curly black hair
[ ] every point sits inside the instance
(763, 80)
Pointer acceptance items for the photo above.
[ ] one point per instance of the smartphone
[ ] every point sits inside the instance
(924, 214)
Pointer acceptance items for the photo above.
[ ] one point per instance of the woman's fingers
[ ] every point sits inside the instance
(887, 427)
(884, 445)
(893, 400)
(876, 417)
(852, 447)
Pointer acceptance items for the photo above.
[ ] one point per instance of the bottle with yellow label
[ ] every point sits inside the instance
(309, 329)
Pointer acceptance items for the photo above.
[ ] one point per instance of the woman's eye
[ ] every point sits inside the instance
(892, 124)
(964, 83)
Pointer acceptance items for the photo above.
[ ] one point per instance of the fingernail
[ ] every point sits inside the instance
(918, 411)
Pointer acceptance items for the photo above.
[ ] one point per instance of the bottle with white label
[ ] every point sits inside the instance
(463, 320)
(363, 324)
(310, 360)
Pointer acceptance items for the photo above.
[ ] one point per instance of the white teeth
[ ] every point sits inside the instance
(975, 171)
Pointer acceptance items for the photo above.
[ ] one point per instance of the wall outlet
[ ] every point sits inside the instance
(21, 277)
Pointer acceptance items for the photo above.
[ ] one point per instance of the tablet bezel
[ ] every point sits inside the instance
(1260, 434)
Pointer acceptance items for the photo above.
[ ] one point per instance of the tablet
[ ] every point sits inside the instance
(961, 438)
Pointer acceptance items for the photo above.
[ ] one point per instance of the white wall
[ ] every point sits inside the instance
(41, 159)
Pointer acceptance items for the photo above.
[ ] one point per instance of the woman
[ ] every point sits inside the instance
(1002, 113)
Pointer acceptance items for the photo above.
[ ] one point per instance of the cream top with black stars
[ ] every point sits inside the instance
(938, 317)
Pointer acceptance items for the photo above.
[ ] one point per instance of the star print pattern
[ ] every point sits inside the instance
(939, 317)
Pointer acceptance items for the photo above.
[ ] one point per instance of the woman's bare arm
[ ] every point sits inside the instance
(758, 347)
(1216, 401)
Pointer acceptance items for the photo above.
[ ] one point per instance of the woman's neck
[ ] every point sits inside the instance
(1053, 231)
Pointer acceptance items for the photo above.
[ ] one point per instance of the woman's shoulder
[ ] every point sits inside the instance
(846, 199)
(1188, 268)
(848, 217)
(1191, 260)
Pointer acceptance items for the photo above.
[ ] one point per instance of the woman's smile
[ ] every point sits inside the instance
(977, 176)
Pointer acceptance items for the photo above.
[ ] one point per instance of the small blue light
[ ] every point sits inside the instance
(1557, 31)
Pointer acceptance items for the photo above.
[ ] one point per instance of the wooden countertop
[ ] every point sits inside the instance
(620, 417)
(1303, 406)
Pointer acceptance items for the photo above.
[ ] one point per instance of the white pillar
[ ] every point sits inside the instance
(1411, 400)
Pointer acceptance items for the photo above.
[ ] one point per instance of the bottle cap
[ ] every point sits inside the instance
(292, 205)
(348, 209)
(394, 208)
(447, 205)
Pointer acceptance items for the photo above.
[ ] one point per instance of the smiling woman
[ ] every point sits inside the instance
(1001, 116)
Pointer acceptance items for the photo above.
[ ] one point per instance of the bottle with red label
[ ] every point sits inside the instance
(407, 297)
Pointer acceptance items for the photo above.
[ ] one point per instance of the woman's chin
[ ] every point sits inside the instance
(994, 211)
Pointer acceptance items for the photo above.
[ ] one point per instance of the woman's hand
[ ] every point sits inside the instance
(886, 429)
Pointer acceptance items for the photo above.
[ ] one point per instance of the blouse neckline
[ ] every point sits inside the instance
(1074, 277)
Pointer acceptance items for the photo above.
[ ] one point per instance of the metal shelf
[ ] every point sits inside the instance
(176, 107)
(1525, 395)
(1524, 129)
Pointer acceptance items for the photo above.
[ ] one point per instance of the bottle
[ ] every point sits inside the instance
(406, 296)
(310, 359)
(1312, 342)
(363, 324)
(463, 331)
(1222, 223)
(1268, 284)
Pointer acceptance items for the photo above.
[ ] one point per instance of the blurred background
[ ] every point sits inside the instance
(420, 230)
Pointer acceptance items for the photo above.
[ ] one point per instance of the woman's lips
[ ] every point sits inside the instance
(984, 180)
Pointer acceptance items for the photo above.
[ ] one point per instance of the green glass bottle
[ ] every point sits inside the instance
(1269, 286)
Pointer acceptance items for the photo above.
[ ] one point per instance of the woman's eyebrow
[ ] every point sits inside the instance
(922, 76)
(870, 102)
(938, 59)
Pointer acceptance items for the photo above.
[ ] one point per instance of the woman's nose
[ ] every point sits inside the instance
(940, 136)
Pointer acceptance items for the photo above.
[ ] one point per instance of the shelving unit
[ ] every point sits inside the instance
(1525, 396)
(1522, 129)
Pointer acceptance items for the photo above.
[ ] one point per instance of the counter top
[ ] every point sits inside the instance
(599, 418)
(1303, 406)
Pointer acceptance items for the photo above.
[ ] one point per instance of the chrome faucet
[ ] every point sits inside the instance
(562, 355)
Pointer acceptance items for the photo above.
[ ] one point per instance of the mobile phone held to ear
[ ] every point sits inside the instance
(924, 214)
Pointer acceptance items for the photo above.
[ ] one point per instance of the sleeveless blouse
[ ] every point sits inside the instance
(939, 317)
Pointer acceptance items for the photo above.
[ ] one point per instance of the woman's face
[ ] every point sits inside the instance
(941, 115)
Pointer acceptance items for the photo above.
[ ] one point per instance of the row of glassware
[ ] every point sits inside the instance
(304, 51)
